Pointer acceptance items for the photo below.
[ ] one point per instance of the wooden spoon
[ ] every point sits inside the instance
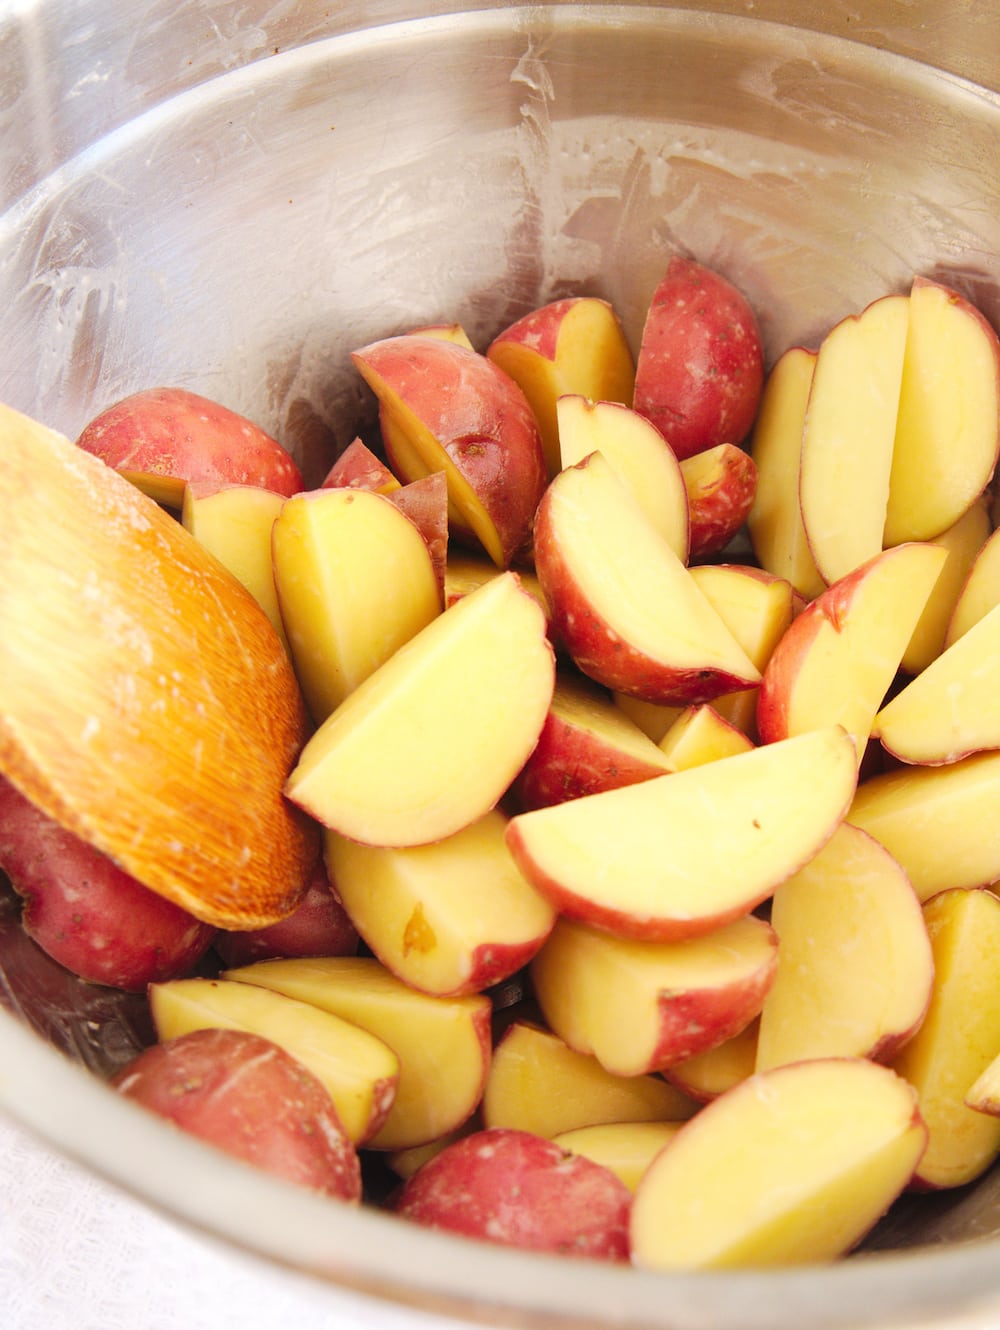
(146, 702)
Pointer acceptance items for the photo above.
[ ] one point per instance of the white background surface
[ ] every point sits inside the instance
(77, 1254)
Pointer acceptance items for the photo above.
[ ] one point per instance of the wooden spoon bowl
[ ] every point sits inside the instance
(146, 702)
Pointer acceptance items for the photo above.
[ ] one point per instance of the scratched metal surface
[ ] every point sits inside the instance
(233, 196)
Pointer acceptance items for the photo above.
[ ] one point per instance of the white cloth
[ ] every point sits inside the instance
(77, 1254)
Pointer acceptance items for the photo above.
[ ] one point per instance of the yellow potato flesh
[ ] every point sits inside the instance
(355, 581)
(959, 1038)
(538, 1083)
(403, 760)
(359, 1070)
(980, 593)
(855, 966)
(589, 708)
(632, 579)
(653, 851)
(592, 359)
(848, 665)
(602, 994)
(848, 436)
(626, 1148)
(709, 1074)
(775, 520)
(963, 541)
(442, 1043)
(947, 428)
(235, 525)
(653, 718)
(433, 913)
(701, 735)
(950, 709)
(793, 1165)
(939, 822)
(641, 459)
(757, 612)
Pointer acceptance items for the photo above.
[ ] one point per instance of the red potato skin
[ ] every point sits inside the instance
(777, 682)
(86, 913)
(540, 328)
(569, 762)
(697, 1020)
(425, 503)
(700, 368)
(582, 910)
(358, 468)
(720, 501)
(520, 1190)
(174, 432)
(480, 418)
(702, 1019)
(598, 652)
(319, 927)
(250, 1098)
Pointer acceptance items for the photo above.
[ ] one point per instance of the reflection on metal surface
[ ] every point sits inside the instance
(232, 198)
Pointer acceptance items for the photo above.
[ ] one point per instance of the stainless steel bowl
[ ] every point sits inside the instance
(232, 197)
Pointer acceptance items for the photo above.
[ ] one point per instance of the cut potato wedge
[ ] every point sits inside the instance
(812, 1155)
(654, 860)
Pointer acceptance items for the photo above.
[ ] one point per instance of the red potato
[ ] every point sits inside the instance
(180, 435)
(574, 346)
(721, 485)
(520, 1190)
(249, 1097)
(445, 408)
(85, 912)
(587, 744)
(700, 369)
(425, 503)
(624, 605)
(319, 927)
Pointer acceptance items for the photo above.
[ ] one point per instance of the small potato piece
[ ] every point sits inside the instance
(700, 369)
(235, 523)
(538, 1083)
(627, 1148)
(707, 1075)
(855, 969)
(175, 433)
(358, 468)
(640, 1006)
(721, 485)
(519, 1190)
(626, 607)
(86, 912)
(358, 1070)
(247, 1096)
(401, 760)
(587, 744)
(354, 582)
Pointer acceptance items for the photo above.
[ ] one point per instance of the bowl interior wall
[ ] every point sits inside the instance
(243, 232)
